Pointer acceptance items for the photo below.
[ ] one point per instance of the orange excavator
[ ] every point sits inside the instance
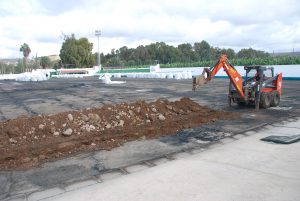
(260, 86)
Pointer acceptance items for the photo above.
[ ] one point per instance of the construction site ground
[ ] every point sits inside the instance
(41, 101)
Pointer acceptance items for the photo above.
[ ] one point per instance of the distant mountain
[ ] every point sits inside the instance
(9, 61)
(15, 60)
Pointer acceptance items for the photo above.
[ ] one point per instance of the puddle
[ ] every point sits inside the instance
(143, 90)
(249, 116)
(280, 108)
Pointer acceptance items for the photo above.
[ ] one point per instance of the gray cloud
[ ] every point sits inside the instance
(48, 39)
(56, 7)
(268, 25)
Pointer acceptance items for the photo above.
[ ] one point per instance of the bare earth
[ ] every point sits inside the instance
(26, 142)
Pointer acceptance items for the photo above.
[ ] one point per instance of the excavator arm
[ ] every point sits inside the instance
(208, 74)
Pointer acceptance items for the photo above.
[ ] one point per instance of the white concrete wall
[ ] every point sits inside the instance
(288, 71)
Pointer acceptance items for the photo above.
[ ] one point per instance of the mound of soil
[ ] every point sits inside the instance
(26, 142)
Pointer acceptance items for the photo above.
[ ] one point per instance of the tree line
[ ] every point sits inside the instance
(77, 53)
(185, 53)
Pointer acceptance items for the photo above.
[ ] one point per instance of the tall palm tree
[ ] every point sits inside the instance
(26, 51)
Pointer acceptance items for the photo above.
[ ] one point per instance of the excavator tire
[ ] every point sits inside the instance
(265, 100)
(275, 99)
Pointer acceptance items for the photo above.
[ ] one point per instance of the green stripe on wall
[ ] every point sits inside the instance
(128, 70)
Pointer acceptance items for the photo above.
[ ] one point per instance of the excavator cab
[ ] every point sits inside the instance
(254, 72)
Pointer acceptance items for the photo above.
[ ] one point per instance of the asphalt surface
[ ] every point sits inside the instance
(57, 95)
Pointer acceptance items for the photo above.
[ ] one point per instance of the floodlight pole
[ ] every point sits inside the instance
(98, 34)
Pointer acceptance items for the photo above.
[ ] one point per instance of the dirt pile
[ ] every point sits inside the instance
(29, 141)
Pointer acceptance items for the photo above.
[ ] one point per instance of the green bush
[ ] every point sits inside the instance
(284, 60)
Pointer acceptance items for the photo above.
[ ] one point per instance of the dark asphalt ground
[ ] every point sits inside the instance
(57, 95)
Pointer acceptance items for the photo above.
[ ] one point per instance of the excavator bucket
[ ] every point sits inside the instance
(198, 81)
(201, 80)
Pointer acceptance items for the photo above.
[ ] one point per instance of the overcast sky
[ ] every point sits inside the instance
(261, 24)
